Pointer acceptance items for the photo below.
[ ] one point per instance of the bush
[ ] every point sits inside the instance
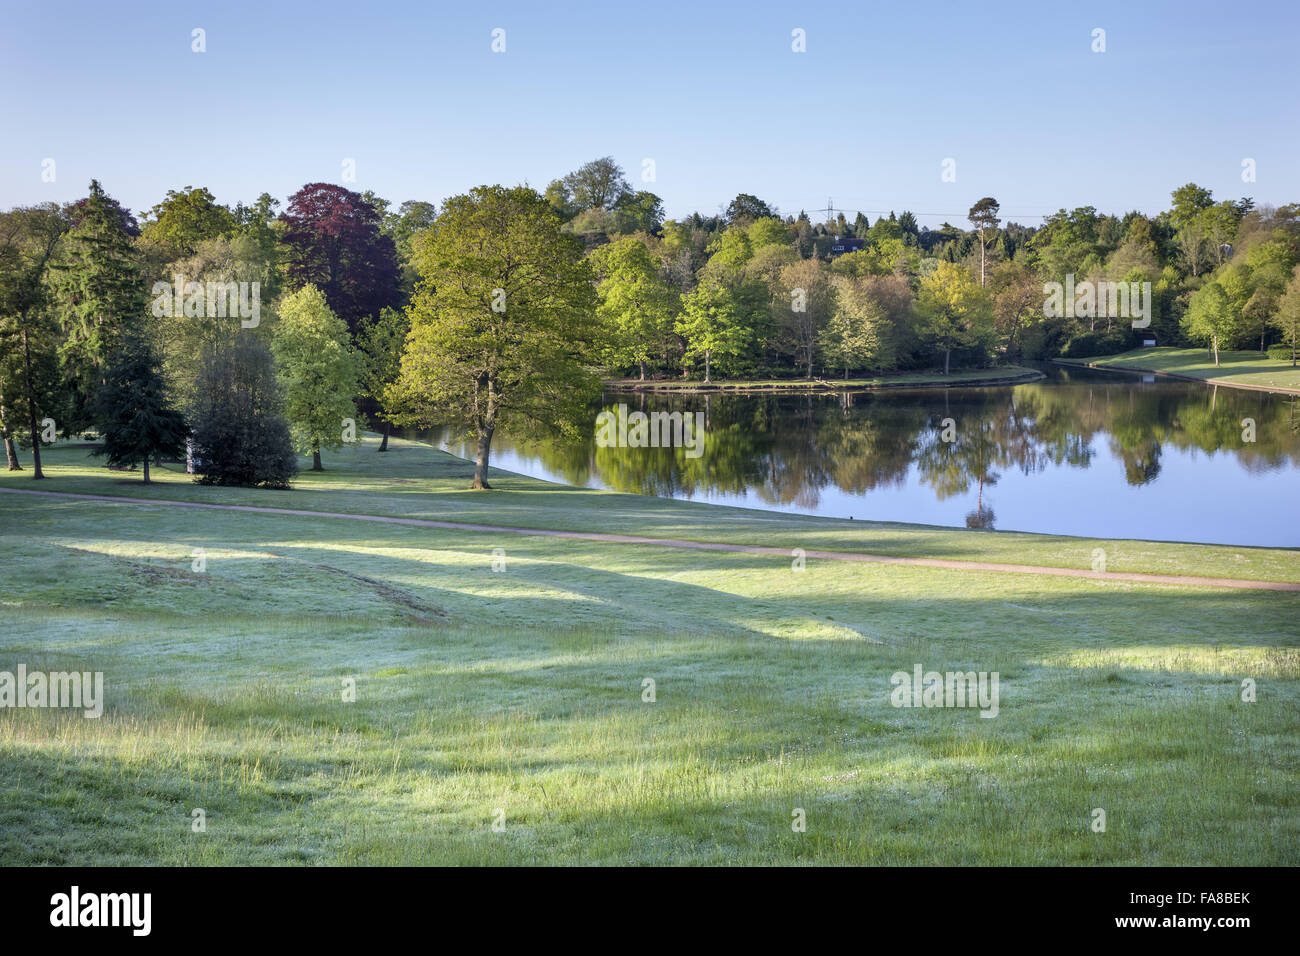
(1281, 352)
(1088, 344)
(240, 434)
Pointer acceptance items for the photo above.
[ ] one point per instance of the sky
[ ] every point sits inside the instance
(712, 93)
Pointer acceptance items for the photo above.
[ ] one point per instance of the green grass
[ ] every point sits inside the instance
(522, 689)
(1235, 368)
(900, 380)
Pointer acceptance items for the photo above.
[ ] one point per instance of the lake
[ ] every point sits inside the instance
(1082, 452)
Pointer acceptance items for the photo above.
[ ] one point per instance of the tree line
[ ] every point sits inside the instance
(238, 336)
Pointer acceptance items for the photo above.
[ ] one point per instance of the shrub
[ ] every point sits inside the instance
(1281, 352)
(1087, 344)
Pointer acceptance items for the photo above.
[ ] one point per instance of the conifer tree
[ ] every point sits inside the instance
(132, 411)
(101, 293)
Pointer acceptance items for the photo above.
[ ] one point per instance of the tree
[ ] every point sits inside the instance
(1017, 301)
(502, 321)
(413, 216)
(984, 217)
(317, 369)
(1210, 317)
(635, 305)
(645, 209)
(332, 240)
(381, 340)
(745, 208)
(29, 242)
(560, 196)
(101, 292)
(259, 223)
(186, 218)
(805, 301)
(711, 325)
(599, 184)
(1190, 223)
(132, 411)
(237, 270)
(1287, 319)
(240, 435)
(856, 334)
(953, 310)
(1220, 223)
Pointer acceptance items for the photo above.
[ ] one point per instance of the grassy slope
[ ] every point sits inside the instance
(1240, 368)
(521, 690)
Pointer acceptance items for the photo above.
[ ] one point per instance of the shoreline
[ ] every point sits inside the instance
(817, 385)
(1217, 382)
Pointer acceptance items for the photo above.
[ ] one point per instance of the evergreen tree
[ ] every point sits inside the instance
(132, 411)
(101, 292)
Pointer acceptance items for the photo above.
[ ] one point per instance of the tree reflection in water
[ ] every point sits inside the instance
(786, 450)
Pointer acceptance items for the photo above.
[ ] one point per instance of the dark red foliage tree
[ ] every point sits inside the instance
(333, 240)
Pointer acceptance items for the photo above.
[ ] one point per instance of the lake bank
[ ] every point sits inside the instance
(1007, 375)
(1249, 370)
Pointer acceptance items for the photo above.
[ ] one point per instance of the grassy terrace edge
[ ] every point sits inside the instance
(419, 481)
(1248, 370)
(1004, 375)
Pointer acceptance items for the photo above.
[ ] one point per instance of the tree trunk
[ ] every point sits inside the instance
(1216, 351)
(383, 444)
(642, 371)
(315, 457)
(981, 258)
(11, 447)
(37, 474)
(146, 469)
(480, 481)
(947, 353)
(708, 369)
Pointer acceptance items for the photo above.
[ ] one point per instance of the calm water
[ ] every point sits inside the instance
(1082, 452)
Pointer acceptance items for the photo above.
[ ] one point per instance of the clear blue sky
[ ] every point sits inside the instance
(712, 92)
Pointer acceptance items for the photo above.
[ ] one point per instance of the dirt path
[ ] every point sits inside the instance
(1137, 578)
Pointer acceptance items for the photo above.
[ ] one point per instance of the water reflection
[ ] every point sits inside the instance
(1078, 453)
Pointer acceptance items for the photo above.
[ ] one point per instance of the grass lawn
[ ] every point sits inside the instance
(1235, 368)
(521, 690)
(901, 380)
